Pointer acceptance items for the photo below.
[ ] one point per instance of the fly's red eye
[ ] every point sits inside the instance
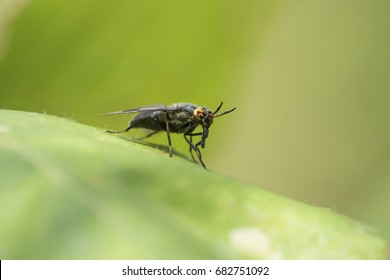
(199, 113)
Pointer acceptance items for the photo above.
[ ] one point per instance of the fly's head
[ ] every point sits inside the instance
(206, 117)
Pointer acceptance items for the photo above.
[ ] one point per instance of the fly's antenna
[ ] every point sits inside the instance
(216, 111)
(213, 115)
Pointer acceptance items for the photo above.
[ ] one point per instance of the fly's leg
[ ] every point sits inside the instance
(195, 148)
(131, 125)
(193, 134)
(120, 131)
(147, 135)
(192, 155)
(169, 139)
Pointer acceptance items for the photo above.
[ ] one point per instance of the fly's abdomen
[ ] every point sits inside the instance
(148, 120)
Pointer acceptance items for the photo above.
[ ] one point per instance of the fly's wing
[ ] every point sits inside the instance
(148, 108)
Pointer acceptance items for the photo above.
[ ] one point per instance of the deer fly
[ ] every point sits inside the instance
(180, 118)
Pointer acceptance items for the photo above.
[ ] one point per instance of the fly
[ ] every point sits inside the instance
(180, 118)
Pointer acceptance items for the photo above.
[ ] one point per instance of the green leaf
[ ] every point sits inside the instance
(70, 191)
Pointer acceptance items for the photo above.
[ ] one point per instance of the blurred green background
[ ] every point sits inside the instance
(310, 79)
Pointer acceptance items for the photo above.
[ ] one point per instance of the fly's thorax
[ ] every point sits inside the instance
(178, 107)
(181, 119)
